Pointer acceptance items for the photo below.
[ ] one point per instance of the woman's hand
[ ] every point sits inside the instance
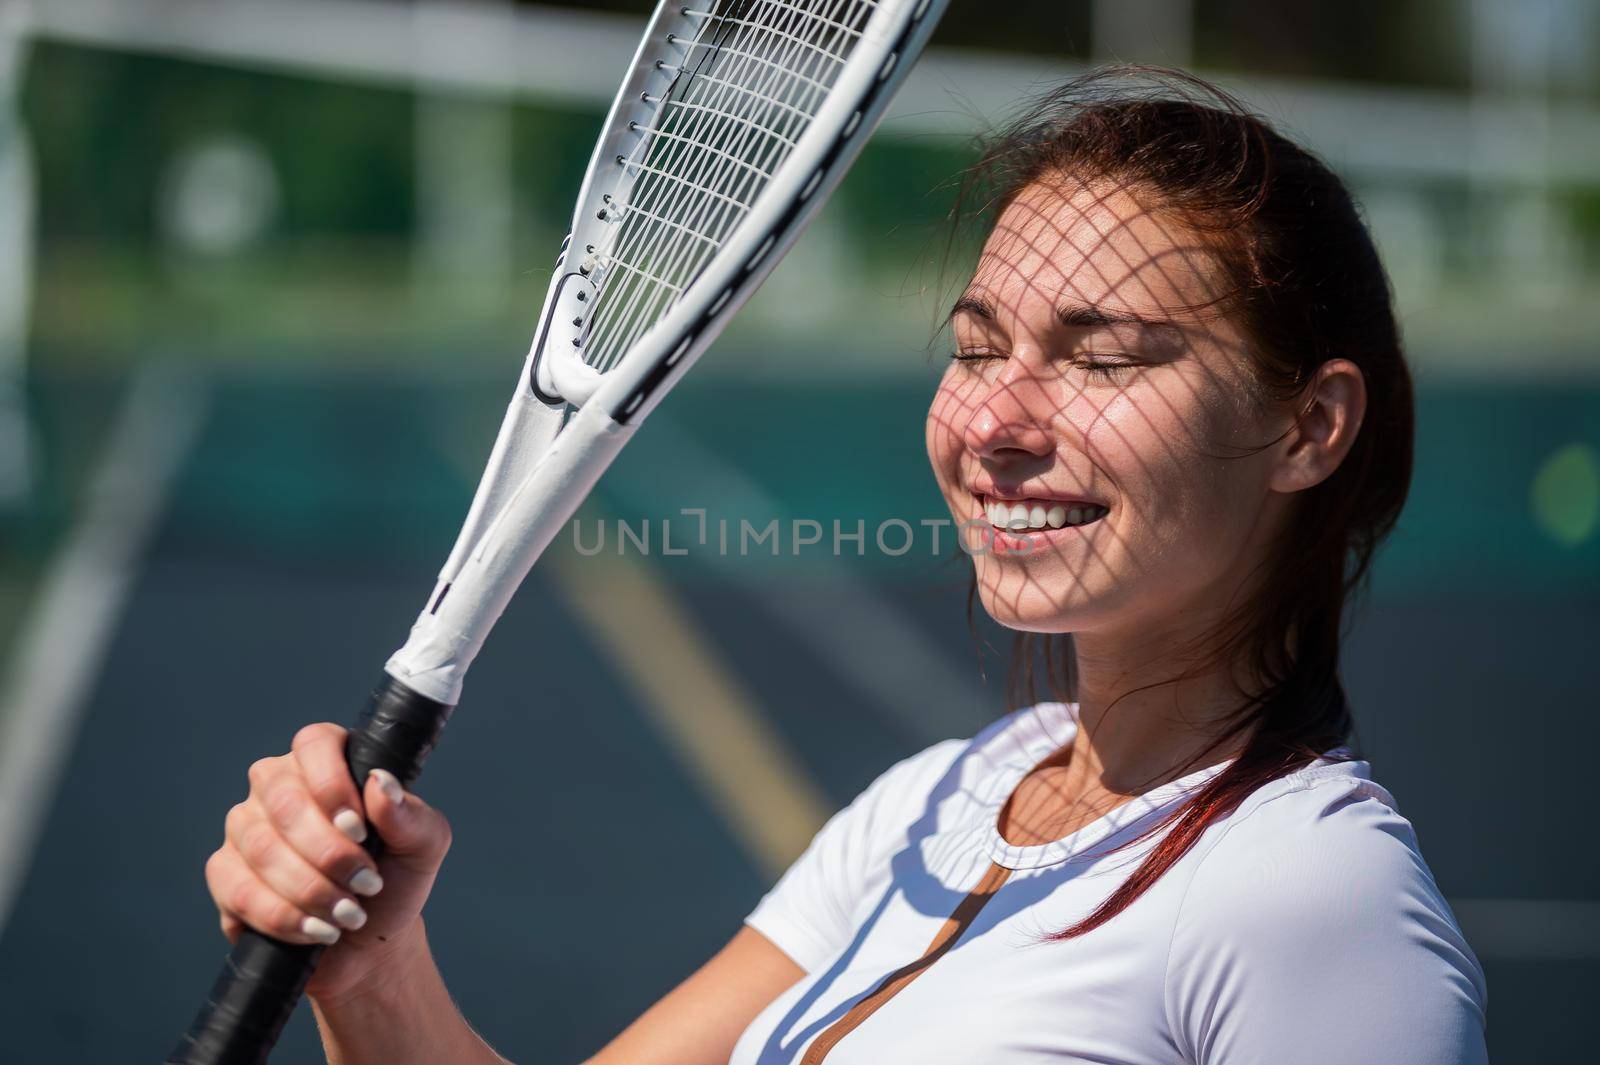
(292, 866)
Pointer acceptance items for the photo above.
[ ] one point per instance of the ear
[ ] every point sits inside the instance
(1331, 411)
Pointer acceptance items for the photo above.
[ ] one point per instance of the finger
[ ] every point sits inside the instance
(319, 752)
(240, 894)
(302, 824)
(293, 878)
(415, 835)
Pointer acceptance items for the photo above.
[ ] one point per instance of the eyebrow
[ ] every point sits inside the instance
(976, 306)
(1083, 316)
(1073, 316)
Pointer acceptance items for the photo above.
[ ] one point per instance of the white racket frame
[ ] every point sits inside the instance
(544, 463)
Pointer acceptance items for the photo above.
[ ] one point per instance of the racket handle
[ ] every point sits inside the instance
(263, 978)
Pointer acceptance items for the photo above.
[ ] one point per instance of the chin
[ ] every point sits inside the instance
(1032, 609)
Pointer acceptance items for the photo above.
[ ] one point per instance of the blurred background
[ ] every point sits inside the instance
(267, 273)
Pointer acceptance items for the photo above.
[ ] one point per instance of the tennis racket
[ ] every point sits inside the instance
(734, 123)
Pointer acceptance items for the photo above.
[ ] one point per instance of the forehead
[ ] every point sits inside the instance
(1059, 243)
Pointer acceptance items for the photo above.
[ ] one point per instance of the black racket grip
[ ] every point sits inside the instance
(263, 978)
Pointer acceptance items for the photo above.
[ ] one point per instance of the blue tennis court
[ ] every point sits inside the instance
(288, 556)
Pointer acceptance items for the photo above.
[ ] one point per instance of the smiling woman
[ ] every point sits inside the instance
(1178, 412)
(1172, 329)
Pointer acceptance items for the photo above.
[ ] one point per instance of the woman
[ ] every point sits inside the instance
(1178, 419)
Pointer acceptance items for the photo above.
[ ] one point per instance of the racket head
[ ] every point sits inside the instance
(764, 124)
(736, 121)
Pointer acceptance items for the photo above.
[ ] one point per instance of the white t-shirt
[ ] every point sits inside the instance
(1302, 929)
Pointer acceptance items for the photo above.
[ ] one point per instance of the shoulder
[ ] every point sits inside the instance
(880, 814)
(810, 913)
(945, 782)
(908, 783)
(1313, 897)
(1324, 843)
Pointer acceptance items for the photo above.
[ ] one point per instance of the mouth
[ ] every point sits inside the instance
(1040, 515)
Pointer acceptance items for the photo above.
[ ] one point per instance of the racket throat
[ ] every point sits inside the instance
(559, 372)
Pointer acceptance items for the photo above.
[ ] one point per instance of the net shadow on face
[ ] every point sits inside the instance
(1097, 433)
(1099, 437)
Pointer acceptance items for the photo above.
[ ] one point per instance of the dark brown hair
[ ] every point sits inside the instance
(1304, 283)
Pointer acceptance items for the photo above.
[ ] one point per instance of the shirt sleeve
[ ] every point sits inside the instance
(810, 913)
(1313, 932)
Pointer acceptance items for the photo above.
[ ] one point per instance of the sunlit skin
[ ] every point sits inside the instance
(1093, 365)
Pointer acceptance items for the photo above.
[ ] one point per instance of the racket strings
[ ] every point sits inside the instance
(713, 197)
(661, 191)
(805, 97)
(798, 9)
(749, 83)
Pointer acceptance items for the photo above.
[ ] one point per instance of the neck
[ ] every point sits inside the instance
(1139, 726)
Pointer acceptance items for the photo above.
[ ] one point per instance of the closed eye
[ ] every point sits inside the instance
(1105, 369)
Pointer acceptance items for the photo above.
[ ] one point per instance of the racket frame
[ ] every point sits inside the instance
(542, 466)
(525, 499)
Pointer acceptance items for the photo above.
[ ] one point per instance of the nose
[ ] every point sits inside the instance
(1010, 422)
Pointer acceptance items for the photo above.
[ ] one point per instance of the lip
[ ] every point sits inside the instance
(1021, 543)
(990, 494)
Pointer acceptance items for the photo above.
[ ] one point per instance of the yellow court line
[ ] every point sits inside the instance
(696, 704)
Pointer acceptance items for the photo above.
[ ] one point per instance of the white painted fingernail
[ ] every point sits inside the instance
(366, 882)
(320, 930)
(351, 824)
(390, 786)
(348, 914)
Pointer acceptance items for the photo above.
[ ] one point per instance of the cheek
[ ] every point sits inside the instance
(947, 418)
(1186, 489)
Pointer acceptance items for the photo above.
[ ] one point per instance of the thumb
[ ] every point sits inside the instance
(415, 835)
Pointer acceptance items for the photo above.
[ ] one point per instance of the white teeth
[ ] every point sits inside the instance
(1018, 517)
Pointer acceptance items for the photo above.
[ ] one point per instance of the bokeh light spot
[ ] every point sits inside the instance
(1566, 494)
(220, 197)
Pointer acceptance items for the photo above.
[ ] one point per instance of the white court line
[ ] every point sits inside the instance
(63, 640)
